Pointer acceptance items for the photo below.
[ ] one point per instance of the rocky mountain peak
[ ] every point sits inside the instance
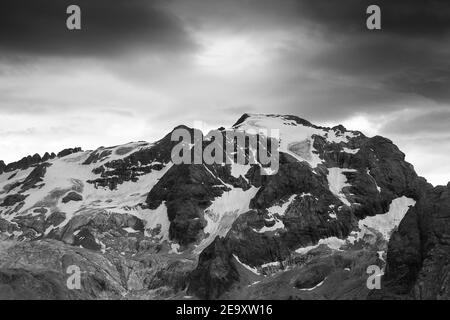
(339, 202)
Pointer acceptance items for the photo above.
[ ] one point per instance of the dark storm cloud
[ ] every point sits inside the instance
(409, 55)
(398, 64)
(402, 17)
(108, 27)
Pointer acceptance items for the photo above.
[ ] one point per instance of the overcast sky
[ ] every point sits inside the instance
(138, 68)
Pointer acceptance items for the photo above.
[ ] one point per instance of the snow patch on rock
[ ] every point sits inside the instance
(333, 243)
(223, 211)
(281, 209)
(337, 181)
(156, 219)
(351, 151)
(386, 223)
(277, 225)
(315, 287)
(239, 170)
(274, 213)
(254, 270)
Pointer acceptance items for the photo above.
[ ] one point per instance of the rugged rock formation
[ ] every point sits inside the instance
(24, 163)
(141, 227)
(2, 166)
(419, 252)
(376, 174)
(68, 151)
(72, 196)
(37, 270)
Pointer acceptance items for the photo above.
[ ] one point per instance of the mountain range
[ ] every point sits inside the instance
(140, 227)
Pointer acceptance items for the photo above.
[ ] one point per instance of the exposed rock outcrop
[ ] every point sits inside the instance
(419, 252)
(140, 226)
(68, 151)
(72, 196)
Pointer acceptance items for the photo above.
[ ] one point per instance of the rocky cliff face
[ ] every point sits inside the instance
(419, 251)
(142, 227)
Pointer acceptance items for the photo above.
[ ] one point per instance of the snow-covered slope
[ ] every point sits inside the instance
(296, 139)
(335, 189)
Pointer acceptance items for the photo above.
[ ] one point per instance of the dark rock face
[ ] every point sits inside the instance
(35, 176)
(94, 157)
(24, 163)
(56, 218)
(143, 161)
(38, 270)
(31, 223)
(2, 166)
(6, 226)
(68, 151)
(314, 276)
(20, 284)
(305, 221)
(419, 252)
(117, 172)
(244, 117)
(34, 226)
(41, 272)
(48, 156)
(101, 230)
(30, 182)
(72, 196)
(255, 257)
(320, 274)
(12, 199)
(377, 164)
(215, 272)
(187, 191)
(85, 239)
